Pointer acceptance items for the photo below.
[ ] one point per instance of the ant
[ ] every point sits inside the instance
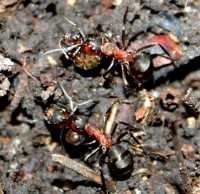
(72, 124)
(120, 158)
(87, 53)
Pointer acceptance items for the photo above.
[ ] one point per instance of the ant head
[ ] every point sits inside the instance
(54, 115)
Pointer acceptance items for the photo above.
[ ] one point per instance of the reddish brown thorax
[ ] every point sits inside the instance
(111, 50)
(94, 131)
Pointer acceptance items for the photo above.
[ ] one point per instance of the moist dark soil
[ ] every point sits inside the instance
(166, 143)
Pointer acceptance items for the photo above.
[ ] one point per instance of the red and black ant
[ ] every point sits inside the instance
(87, 53)
(120, 158)
(72, 125)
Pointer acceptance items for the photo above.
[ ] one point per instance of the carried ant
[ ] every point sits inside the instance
(71, 123)
(87, 53)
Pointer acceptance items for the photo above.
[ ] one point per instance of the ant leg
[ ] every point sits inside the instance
(128, 131)
(61, 140)
(124, 75)
(136, 127)
(73, 106)
(109, 68)
(63, 49)
(165, 51)
(89, 143)
(66, 49)
(169, 56)
(92, 153)
(124, 27)
(77, 50)
(85, 102)
(103, 180)
(114, 129)
(129, 72)
(125, 133)
(53, 51)
(145, 47)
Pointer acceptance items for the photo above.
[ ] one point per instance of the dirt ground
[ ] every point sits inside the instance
(165, 109)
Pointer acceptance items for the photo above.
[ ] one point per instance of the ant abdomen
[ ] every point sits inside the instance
(142, 67)
(73, 138)
(86, 61)
(120, 160)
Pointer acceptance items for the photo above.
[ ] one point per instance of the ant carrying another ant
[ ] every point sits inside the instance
(120, 158)
(87, 53)
(118, 153)
(76, 128)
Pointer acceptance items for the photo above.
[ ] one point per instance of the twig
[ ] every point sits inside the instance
(84, 171)
(24, 67)
(77, 167)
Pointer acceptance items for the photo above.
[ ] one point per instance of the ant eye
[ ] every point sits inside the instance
(93, 48)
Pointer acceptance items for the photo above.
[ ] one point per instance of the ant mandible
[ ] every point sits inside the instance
(87, 53)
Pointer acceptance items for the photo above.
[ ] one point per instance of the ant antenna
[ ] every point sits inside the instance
(124, 28)
(52, 51)
(67, 97)
(62, 49)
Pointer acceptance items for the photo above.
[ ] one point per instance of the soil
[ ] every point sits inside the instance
(166, 153)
